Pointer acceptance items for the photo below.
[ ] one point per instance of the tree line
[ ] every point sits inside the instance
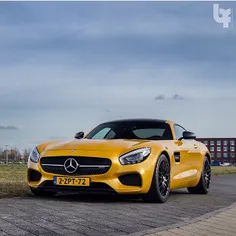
(14, 155)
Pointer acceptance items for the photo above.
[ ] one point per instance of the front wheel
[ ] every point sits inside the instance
(41, 193)
(160, 187)
(205, 180)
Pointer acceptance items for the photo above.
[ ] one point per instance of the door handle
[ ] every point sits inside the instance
(195, 146)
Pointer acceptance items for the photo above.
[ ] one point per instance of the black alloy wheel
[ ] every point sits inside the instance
(203, 185)
(160, 186)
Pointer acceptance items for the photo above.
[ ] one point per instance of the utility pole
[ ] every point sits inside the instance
(6, 154)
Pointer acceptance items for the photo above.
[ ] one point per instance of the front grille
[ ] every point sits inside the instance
(87, 165)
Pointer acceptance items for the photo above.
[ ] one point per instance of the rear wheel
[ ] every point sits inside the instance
(205, 180)
(160, 187)
(41, 193)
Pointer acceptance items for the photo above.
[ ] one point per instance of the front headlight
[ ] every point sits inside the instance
(135, 156)
(34, 155)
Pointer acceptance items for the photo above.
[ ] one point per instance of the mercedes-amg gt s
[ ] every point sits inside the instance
(146, 157)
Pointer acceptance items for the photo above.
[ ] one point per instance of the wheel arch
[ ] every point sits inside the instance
(167, 156)
(165, 153)
(151, 196)
(207, 154)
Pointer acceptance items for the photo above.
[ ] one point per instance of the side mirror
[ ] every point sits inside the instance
(79, 135)
(188, 135)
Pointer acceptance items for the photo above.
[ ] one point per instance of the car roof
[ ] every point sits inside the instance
(136, 120)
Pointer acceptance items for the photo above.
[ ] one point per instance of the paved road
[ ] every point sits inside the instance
(220, 223)
(76, 215)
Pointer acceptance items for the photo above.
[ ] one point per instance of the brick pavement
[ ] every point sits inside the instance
(77, 215)
(222, 223)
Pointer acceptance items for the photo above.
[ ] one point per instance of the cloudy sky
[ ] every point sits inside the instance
(65, 67)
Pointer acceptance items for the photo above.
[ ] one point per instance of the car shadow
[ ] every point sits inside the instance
(103, 198)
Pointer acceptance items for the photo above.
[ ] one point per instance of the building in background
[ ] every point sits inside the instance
(221, 149)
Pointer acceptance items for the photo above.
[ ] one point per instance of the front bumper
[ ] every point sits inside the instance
(121, 179)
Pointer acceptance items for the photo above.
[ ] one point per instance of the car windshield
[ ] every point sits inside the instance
(148, 130)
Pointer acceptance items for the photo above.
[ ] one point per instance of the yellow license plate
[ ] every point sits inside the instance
(71, 181)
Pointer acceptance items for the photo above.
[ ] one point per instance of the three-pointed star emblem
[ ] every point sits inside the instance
(71, 165)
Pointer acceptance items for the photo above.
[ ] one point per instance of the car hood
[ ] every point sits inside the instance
(96, 145)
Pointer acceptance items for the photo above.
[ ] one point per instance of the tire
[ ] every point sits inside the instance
(160, 187)
(204, 183)
(41, 193)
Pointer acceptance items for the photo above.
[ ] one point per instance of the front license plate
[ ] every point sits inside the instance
(71, 181)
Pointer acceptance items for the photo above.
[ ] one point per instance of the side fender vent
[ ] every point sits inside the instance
(177, 156)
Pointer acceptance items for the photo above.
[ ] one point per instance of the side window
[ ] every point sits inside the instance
(102, 133)
(110, 135)
(179, 131)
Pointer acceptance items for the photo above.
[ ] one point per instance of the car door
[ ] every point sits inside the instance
(182, 161)
(195, 158)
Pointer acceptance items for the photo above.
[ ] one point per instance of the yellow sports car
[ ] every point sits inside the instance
(147, 157)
